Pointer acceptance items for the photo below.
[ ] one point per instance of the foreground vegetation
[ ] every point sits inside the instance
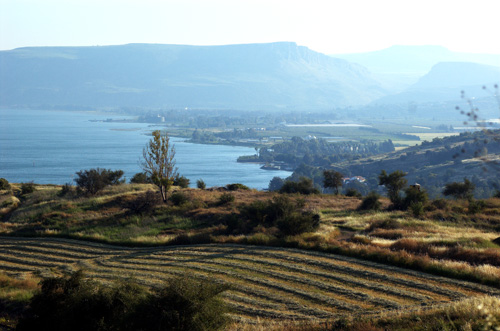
(452, 238)
(267, 285)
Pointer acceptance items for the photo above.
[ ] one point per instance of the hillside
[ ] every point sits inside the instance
(414, 59)
(360, 264)
(435, 163)
(266, 283)
(253, 76)
(446, 80)
(398, 67)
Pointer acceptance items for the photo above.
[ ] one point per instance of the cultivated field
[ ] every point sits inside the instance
(267, 282)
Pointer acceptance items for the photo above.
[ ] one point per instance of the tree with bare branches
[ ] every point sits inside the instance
(159, 163)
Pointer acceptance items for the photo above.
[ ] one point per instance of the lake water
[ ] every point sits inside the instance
(48, 147)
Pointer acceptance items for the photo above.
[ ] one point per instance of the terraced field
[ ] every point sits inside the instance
(267, 282)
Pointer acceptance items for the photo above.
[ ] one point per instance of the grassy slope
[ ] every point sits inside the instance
(446, 240)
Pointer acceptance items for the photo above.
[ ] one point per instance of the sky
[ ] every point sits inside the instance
(326, 26)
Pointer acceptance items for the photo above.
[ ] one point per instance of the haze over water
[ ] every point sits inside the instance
(48, 147)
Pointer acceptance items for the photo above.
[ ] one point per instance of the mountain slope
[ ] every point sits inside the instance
(414, 59)
(253, 76)
(446, 80)
(398, 67)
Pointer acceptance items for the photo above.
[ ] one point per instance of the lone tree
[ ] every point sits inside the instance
(332, 179)
(394, 182)
(158, 162)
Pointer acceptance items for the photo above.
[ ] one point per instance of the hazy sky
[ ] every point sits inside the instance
(327, 26)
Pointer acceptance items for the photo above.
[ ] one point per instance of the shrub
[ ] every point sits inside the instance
(144, 203)
(353, 193)
(370, 202)
(303, 186)
(27, 188)
(4, 184)
(389, 224)
(414, 196)
(66, 189)
(440, 204)
(200, 184)
(236, 186)
(476, 206)
(459, 190)
(297, 223)
(181, 181)
(185, 304)
(76, 303)
(417, 209)
(94, 180)
(275, 184)
(179, 198)
(225, 198)
(141, 178)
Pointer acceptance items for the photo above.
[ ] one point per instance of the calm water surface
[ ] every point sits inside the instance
(50, 146)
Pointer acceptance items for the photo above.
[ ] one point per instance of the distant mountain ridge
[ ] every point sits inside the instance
(398, 67)
(252, 76)
(446, 80)
(414, 59)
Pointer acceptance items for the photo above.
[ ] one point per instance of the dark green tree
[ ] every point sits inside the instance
(276, 183)
(332, 179)
(394, 183)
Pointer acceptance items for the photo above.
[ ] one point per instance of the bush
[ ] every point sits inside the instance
(281, 211)
(185, 304)
(225, 198)
(370, 202)
(303, 186)
(417, 208)
(181, 181)
(275, 184)
(414, 196)
(200, 184)
(440, 204)
(66, 189)
(94, 180)
(144, 203)
(459, 190)
(353, 193)
(179, 198)
(4, 184)
(76, 303)
(27, 188)
(141, 178)
(236, 186)
(476, 206)
(297, 223)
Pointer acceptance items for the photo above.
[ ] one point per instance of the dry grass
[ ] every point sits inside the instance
(267, 283)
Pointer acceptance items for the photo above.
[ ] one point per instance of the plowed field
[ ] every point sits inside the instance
(267, 282)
